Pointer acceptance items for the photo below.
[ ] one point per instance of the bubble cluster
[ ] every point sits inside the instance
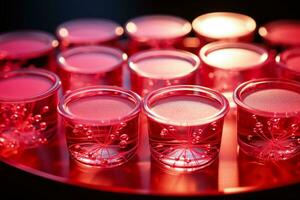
(22, 124)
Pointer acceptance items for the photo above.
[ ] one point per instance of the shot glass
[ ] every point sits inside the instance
(101, 125)
(281, 34)
(27, 49)
(28, 100)
(268, 118)
(288, 63)
(233, 27)
(88, 31)
(90, 65)
(153, 69)
(185, 125)
(156, 32)
(225, 65)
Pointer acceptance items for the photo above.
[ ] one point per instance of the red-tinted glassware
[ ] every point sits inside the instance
(289, 64)
(156, 32)
(28, 100)
(153, 69)
(27, 49)
(91, 65)
(101, 125)
(268, 118)
(89, 31)
(225, 65)
(185, 125)
(227, 26)
(281, 34)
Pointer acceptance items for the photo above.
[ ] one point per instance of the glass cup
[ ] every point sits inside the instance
(90, 65)
(185, 125)
(288, 63)
(28, 100)
(88, 31)
(268, 118)
(227, 26)
(101, 124)
(153, 69)
(225, 65)
(156, 32)
(27, 49)
(281, 34)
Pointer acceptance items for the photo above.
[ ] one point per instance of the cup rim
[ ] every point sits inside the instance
(237, 95)
(118, 29)
(62, 105)
(62, 63)
(213, 46)
(50, 43)
(246, 18)
(171, 53)
(39, 72)
(184, 31)
(215, 94)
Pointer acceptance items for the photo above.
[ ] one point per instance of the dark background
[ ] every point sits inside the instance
(47, 14)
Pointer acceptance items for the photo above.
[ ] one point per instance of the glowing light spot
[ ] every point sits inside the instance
(131, 27)
(119, 31)
(262, 31)
(63, 32)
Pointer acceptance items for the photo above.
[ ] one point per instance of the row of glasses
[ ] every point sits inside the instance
(146, 32)
(177, 138)
(185, 122)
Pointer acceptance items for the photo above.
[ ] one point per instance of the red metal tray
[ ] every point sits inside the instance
(232, 173)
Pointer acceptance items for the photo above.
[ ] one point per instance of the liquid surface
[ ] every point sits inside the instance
(158, 27)
(21, 46)
(223, 26)
(274, 100)
(163, 67)
(286, 33)
(230, 58)
(100, 107)
(293, 63)
(22, 87)
(185, 109)
(91, 62)
(88, 30)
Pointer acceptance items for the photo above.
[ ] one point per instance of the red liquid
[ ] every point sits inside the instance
(104, 108)
(163, 68)
(270, 137)
(91, 62)
(108, 141)
(88, 31)
(87, 66)
(277, 100)
(231, 58)
(156, 72)
(22, 87)
(28, 115)
(157, 31)
(151, 27)
(26, 49)
(22, 47)
(224, 26)
(185, 143)
(184, 109)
